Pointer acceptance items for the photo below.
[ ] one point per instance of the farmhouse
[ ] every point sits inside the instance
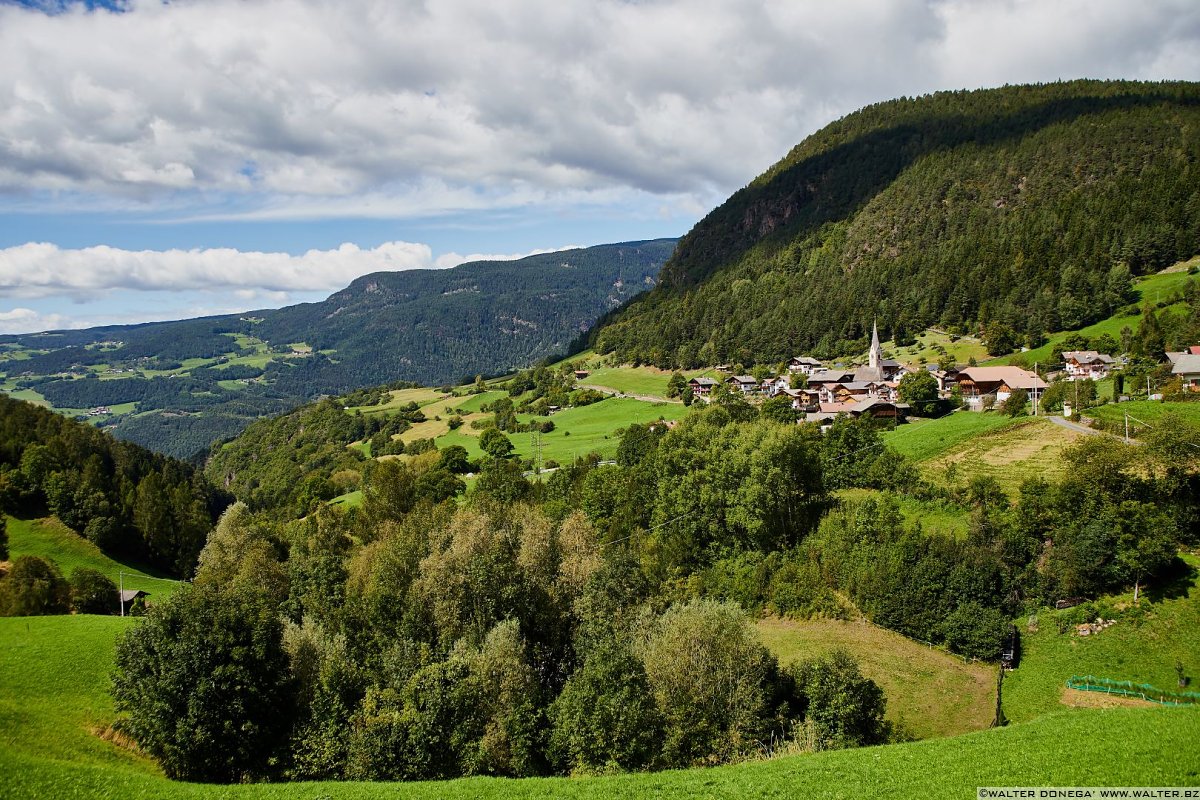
(774, 386)
(998, 382)
(1187, 366)
(804, 399)
(748, 384)
(803, 365)
(702, 387)
(870, 406)
(1082, 364)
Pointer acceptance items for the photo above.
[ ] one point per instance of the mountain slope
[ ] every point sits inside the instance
(435, 326)
(178, 386)
(1029, 205)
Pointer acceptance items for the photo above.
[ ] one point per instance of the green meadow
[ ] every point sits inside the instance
(1143, 646)
(921, 439)
(50, 539)
(577, 431)
(930, 693)
(56, 742)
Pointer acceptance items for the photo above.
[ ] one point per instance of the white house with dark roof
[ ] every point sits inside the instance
(1081, 364)
(748, 384)
(804, 365)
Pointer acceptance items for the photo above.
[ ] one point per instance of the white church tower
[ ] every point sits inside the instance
(875, 356)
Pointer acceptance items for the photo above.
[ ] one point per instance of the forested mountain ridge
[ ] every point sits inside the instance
(1028, 205)
(436, 326)
(178, 386)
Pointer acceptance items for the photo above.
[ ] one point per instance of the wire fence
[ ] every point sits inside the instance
(1143, 691)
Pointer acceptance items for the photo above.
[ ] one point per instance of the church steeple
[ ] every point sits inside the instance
(875, 356)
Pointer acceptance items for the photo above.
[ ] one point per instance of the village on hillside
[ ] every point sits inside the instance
(822, 392)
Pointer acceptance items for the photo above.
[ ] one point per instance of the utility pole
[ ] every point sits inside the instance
(1126, 427)
(1035, 383)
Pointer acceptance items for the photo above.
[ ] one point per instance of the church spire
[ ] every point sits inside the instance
(875, 356)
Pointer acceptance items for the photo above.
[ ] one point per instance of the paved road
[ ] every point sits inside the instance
(1072, 426)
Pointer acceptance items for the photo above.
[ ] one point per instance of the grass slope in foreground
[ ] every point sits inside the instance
(53, 694)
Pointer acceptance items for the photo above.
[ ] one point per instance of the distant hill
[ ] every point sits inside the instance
(1028, 205)
(437, 326)
(178, 386)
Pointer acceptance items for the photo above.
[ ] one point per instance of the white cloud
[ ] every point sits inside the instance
(311, 108)
(24, 320)
(45, 270)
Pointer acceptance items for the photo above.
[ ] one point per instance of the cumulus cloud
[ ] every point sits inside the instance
(45, 270)
(24, 320)
(307, 107)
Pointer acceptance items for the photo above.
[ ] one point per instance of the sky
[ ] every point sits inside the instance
(170, 160)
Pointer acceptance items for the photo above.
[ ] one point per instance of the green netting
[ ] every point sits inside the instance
(1144, 691)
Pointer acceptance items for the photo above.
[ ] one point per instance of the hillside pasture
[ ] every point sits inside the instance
(55, 713)
(1144, 646)
(929, 692)
(930, 346)
(922, 439)
(49, 538)
(1012, 453)
(577, 431)
(1143, 412)
(401, 397)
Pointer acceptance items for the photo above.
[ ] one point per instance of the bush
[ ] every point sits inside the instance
(975, 631)
(713, 683)
(34, 587)
(605, 716)
(843, 708)
(92, 592)
(204, 685)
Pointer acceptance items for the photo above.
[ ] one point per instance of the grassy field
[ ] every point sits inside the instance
(922, 439)
(1030, 448)
(1147, 411)
(929, 692)
(53, 705)
(631, 380)
(1143, 646)
(401, 397)
(577, 431)
(49, 538)
(931, 343)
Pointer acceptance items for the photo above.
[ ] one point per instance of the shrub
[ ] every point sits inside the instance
(92, 592)
(34, 587)
(844, 708)
(605, 717)
(975, 631)
(204, 685)
(712, 681)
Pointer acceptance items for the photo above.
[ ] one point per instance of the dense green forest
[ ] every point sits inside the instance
(122, 497)
(1030, 206)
